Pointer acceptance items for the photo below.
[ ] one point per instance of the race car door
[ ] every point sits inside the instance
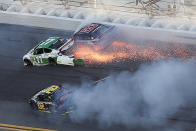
(37, 56)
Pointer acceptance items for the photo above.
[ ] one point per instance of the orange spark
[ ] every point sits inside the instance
(119, 51)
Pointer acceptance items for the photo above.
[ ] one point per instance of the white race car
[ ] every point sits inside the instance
(47, 53)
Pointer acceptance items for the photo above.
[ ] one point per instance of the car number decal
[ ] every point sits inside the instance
(38, 59)
(89, 28)
(50, 89)
(40, 106)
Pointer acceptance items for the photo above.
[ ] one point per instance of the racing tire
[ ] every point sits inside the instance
(52, 61)
(28, 62)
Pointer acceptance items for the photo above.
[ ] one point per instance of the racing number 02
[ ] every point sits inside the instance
(40, 106)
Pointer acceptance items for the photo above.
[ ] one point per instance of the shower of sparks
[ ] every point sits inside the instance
(119, 51)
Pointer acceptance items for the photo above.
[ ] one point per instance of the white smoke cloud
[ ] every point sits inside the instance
(154, 91)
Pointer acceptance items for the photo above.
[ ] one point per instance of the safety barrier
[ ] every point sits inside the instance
(148, 31)
(39, 21)
(70, 19)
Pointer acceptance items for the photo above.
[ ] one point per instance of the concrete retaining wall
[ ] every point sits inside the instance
(39, 21)
(184, 36)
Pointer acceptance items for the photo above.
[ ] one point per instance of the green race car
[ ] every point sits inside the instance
(48, 53)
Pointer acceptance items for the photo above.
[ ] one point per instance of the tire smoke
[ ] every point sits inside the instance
(155, 91)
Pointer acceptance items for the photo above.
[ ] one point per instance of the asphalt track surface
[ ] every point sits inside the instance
(18, 83)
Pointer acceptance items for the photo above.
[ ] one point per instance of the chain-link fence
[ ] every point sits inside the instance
(149, 7)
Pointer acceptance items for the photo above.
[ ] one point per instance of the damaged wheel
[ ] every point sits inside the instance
(28, 62)
(52, 61)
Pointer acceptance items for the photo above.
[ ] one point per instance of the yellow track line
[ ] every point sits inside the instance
(12, 129)
(25, 128)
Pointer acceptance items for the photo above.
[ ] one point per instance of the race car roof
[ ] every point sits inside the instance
(89, 28)
(50, 89)
(47, 43)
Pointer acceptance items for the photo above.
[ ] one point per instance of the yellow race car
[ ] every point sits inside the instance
(54, 99)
